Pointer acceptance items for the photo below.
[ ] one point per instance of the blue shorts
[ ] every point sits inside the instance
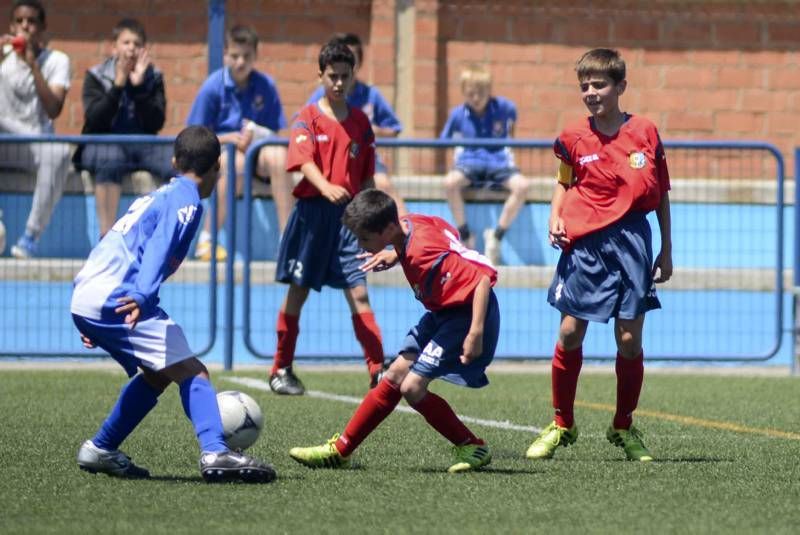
(607, 274)
(155, 343)
(438, 341)
(317, 250)
(484, 176)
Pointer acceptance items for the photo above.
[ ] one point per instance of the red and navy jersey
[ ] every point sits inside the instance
(611, 175)
(343, 151)
(442, 272)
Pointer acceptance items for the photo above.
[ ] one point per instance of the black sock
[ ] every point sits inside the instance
(499, 232)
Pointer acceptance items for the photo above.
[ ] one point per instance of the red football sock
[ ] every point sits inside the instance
(438, 413)
(565, 371)
(369, 336)
(288, 328)
(630, 376)
(376, 406)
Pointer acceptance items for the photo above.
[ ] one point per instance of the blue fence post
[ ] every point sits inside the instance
(230, 234)
(216, 33)
(796, 265)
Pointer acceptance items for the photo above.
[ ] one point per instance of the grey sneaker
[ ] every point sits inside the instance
(234, 466)
(114, 463)
(491, 246)
(284, 381)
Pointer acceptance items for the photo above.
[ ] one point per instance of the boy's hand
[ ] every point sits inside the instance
(131, 310)
(662, 268)
(378, 262)
(557, 234)
(142, 61)
(88, 344)
(472, 348)
(123, 69)
(336, 194)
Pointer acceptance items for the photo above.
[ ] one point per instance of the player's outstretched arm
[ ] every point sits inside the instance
(473, 343)
(662, 268)
(379, 261)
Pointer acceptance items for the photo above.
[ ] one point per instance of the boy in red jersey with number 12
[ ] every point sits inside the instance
(333, 145)
(613, 172)
(455, 340)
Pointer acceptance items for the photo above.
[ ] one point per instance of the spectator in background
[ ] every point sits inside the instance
(123, 95)
(483, 116)
(242, 105)
(368, 99)
(33, 85)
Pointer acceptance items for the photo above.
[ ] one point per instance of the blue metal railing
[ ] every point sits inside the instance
(543, 144)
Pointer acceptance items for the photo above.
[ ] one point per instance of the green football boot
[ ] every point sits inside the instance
(325, 456)
(629, 440)
(551, 438)
(470, 457)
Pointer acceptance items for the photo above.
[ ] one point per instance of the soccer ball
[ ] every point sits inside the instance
(242, 419)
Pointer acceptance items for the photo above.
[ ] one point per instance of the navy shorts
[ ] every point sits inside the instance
(607, 274)
(317, 250)
(438, 341)
(481, 176)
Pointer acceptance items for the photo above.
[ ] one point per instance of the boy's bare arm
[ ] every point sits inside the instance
(557, 230)
(473, 343)
(332, 192)
(662, 268)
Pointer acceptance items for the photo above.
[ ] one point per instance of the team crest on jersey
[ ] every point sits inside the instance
(637, 160)
(498, 129)
(186, 214)
(354, 150)
(258, 102)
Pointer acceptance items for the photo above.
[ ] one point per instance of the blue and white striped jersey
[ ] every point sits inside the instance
(143, 248)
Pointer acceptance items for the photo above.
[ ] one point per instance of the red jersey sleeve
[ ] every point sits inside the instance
(661, 167)
(302, 142)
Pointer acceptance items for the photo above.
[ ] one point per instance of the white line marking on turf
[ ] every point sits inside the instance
(259, 384)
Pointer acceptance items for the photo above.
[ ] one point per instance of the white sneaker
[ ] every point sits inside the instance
(491, 246)
(114, 463)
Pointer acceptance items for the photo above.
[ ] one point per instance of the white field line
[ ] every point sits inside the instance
(259, 384)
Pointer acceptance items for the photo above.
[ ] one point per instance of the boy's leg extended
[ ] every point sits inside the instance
(454, 182)
(282, 379)
(565, 370)
(366, 328)
(374, 408)
(518, 187)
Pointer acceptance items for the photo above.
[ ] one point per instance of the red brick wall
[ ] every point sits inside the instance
(701, 70)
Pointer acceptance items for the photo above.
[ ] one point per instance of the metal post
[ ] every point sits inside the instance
(230, 280)
(796, 267)
(216, 34)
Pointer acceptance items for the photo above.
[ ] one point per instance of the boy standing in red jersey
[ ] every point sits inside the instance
(455, 340)
(332, 144)
(613, 171)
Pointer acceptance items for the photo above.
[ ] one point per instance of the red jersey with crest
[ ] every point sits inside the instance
(343, 151)
(611, 175)
(442, 272)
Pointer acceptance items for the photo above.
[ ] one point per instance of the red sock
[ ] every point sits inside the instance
(565, 372)
(376, 406)
(369, 336)
(630, 376)
(441, 417)
(288, 328)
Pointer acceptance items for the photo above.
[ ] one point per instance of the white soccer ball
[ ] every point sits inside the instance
(242, 419)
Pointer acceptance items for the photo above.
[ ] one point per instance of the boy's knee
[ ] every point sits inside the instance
(519, 185)
(412, 391)
(455, 180)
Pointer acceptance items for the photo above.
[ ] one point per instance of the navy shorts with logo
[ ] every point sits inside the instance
(607, 274)
(438, 340)
(317, 250)
(485, 176)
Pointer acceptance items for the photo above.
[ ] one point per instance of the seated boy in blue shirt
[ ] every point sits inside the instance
(115, 306)
(483, 116)
(242, 105)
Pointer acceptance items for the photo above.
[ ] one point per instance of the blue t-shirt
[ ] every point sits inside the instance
(221, 105)
(142, 249)
(497, 122)
(369, 100)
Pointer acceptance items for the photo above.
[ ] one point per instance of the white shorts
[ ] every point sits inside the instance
(156, 343)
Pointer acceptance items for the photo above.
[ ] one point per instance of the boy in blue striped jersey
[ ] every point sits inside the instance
(115, 306)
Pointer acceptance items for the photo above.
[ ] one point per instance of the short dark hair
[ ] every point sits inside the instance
(241, 35)
(35, 4)
(371, 210)
(132, 25)
(349, 39)
(335, 53)
(197, 149)
(602, 61)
